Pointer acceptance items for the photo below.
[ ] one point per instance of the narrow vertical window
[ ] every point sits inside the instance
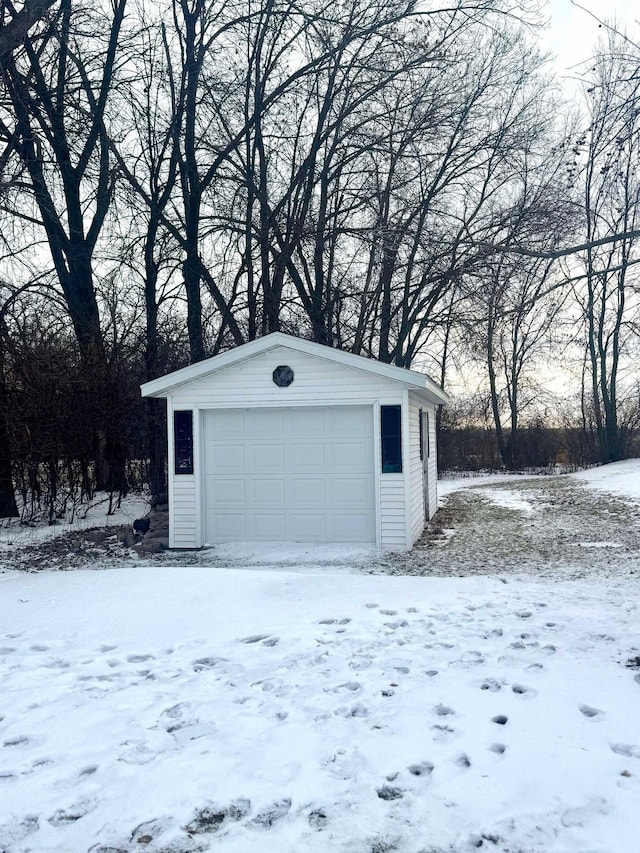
(421, 431)
(428, 438)
(391, 439)
(183, 442)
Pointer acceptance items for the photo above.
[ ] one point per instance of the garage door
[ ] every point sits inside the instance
(295, 475)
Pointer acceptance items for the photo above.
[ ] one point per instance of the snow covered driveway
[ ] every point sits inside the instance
(182, 709)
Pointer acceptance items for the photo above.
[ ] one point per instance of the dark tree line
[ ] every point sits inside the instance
(385, 177)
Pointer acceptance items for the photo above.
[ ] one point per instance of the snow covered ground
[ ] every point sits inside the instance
(199, 708)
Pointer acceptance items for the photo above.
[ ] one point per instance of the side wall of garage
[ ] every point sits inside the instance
(248, 384)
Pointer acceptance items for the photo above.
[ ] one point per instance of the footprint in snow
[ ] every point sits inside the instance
(371, 605)
(467, 660)
(205, 663)
(423, 768)
(463, 761)
(334, 621)
(318, 819)
(271, 641)
(149, 830)
(139, 658)
(71, 814)
(524, 692)
(174, 712)
(273, 813)
(13, 832)
(591, 713)
(524, 614)
(137, 753)
(500, 720)
(581, 815)
(431, 672)
(490, 684)
(211, 818)
(89, 770)
(17, 740)
(39, 647)
(626, 749)
(389, 612)
(254, 638)
(349, 685)
(443, 710)
(107, 648)
(498, 748)
(442, 732)
(7, 650)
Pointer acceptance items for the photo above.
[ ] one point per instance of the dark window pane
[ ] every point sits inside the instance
(421, 431)
(428, 437)
(183, 442)
(391, 439)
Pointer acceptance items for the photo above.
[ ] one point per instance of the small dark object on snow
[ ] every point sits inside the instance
(633, 663)
(387, 792)
(141, 525)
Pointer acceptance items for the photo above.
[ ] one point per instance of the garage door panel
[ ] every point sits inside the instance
(306, 456)
(269, 526)
(225, 458)
(349, 456)
(350, 492)
(267, 492)
(227, 526)
(350, 527)
(266, 422)
(305, 422)
(307, 491)
(224, 491)
(348, 421)
(297, 474)
(265, 457)
(227, 424)
(308, 527)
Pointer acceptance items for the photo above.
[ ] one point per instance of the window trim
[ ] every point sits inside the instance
(391, 440)
(183, 442)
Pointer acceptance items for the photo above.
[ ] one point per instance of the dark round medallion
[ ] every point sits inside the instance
(283, 376)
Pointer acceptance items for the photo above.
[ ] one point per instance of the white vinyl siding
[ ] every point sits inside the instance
(432, 462)
(416, 493)
(316, 380)
(393, 528)
(183, 512)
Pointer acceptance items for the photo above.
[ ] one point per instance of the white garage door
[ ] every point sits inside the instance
(294, 475)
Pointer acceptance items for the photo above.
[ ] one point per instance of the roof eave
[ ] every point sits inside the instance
(163, 386)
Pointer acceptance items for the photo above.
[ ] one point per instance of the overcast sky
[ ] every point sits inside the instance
(573, 31)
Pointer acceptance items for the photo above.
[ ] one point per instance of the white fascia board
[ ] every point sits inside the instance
(411, 378)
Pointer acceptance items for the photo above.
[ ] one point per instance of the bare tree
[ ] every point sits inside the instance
(610, 182)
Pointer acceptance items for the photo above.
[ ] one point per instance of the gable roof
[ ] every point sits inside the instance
(419, 382)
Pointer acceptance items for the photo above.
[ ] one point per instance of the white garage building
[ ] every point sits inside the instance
(286, 440)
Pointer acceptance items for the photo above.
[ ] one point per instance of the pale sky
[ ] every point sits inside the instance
(573, 32)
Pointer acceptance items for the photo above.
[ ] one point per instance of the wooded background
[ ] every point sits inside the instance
(392, 178)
